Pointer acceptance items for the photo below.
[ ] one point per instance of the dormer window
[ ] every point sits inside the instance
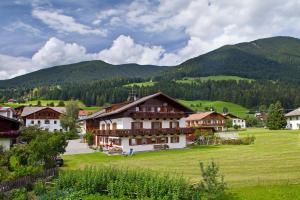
(137, 109)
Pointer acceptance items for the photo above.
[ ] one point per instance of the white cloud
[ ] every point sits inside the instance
(57, 52)
(65, 24)
(21, 25)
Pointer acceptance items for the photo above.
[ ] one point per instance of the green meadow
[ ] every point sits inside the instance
(268, 169)
(190, 80)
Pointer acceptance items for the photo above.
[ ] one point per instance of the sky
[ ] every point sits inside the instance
(35, 34)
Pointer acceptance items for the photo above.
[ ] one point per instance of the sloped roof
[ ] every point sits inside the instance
(30, 110)
(102, 113)
(10, 119)
(199, 116)
(294, 113)
(231, 115)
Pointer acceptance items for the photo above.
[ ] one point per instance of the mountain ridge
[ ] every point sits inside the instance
(274, 58)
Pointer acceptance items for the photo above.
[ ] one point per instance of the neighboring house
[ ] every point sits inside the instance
(207, 120)
(12, 101)
(46, 118)
(7, 112)
(151, 123)
(8, 131)
(236, 121)
(261, 116)
(293, 119)
(82, 123)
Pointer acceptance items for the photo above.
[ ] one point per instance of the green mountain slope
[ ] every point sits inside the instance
(276, 58)
(82, 72)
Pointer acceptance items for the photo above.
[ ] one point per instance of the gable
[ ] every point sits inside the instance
(46, 113)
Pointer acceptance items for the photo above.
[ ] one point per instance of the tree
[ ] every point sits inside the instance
(276, 119)
(39, 103)
(51, 104)
(225, 110)
(61, 103)
(68, 119)
(228, 123)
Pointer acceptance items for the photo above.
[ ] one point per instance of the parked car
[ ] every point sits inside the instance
(59, 161)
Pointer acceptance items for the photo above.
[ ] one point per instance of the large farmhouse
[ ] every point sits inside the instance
(8, 131)
(293, 119)
(150, 123)
(46, 118)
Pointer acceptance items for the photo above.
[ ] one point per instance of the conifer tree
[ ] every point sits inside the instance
(276, 119)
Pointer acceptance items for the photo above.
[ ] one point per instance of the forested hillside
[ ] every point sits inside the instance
(276, 58)
(81, 72)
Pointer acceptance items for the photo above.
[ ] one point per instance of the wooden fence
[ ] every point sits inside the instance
(27, 180)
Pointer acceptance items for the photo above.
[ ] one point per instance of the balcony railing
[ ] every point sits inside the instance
(137, 132)
(160, 115)
(206, 125)
(12, 134)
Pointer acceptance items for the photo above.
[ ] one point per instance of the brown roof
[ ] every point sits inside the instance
(294, 113)
(29, 110)
(10, 119)
(102, 113)
(198, 116)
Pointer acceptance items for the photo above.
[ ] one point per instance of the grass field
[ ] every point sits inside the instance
(271, 165)
(45, 102)
(199, 105)
(190, 80)
(142, 84)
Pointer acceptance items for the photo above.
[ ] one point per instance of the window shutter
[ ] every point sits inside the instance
(160, 124)
(177, 124)
(170, 125)
(139, 141)
(132, 125)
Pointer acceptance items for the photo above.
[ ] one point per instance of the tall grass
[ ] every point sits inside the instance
(132, 184)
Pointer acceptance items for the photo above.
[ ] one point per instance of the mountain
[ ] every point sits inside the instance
(276, 58)
(82, 72)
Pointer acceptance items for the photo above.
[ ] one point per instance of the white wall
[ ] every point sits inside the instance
(239, 122)
(293, 122)
(5, 142)
(51, 126)
(149, 147)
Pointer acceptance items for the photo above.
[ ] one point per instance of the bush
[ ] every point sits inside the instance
(18, 194)
(71, 135)
(89, 138)
(240, 141)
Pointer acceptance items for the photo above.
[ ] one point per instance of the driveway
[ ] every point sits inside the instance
(77, 147)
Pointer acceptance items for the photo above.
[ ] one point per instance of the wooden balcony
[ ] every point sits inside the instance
(159, 115)
(207, 125)
(142, 132)
(10, 134)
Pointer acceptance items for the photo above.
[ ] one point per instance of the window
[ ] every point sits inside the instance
(102, 126)
(32, 122)
(144, 140)
(137, 109)
(136, 125)
(55, 130)
(153, 140)
(164, 140)
(47, 121)
(55, 122)
(174, 139)
(60, 130)
(132, 141)
(107, 126)
(156, 125)
(39, 122)
(114, 126)
(175, 124)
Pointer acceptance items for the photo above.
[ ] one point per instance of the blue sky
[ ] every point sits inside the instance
(42, 33)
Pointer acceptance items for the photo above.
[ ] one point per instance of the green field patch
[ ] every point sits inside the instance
(142, 84)
(190, 80)
(202, 105)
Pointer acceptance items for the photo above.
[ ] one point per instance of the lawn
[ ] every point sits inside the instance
(199, 105)
(268, 169)
(190, 80)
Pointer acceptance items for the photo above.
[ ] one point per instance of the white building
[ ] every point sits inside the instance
(9, 131)
(293, 119)
(151, 123)
(46, 118)
(7, 112)
(236, 121)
